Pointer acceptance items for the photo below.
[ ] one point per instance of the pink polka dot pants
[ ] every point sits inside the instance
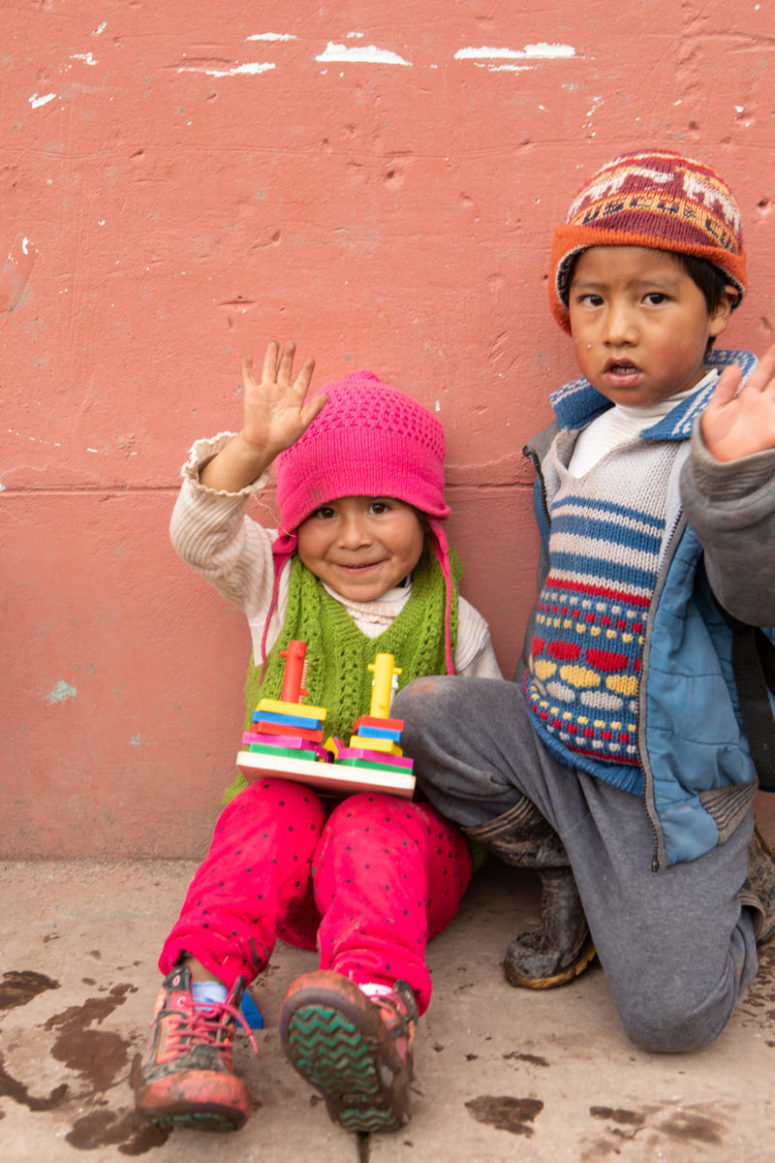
(370, 884)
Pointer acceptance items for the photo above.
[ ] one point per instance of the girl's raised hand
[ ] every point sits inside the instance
(737, 425)
(275, 409)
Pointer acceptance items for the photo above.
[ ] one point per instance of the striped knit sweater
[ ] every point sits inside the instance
(607, 531)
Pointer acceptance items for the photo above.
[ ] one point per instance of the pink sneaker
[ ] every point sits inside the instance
(187, 1077)
(355, 1050)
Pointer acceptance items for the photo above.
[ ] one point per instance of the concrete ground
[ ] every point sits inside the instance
(501, 1074)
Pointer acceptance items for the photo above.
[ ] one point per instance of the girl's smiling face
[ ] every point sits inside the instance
(640, 324)
(361, 546)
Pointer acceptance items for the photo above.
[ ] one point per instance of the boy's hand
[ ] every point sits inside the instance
(274, 412)
(740, 425)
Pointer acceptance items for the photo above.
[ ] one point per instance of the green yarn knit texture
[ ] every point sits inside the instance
(338, 653)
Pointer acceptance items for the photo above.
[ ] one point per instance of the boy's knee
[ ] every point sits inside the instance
(423, 696)
(666, 1030)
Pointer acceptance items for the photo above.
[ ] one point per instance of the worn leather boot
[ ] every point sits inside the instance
(560, 947)
(758, 892)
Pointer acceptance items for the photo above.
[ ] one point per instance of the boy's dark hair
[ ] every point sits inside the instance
(709, 278)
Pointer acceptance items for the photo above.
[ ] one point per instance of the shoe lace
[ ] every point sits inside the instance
(394, 1013)
(196, 1025)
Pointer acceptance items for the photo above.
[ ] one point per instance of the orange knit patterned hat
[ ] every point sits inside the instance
(655, 199)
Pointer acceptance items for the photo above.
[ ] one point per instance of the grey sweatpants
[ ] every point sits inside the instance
(676, 946)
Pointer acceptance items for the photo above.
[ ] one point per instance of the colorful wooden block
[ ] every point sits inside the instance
(267, 728)
(261, 716)
(311, 755)
(373, 756)
(279, 707)
(367, 732)
(386, 745)
(374, 721)
(292, 741)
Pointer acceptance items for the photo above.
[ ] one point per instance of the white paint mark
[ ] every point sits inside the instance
(541, 51)
(36, 101)
(26, 245)
(100, 28)
(94, 449)
(271, 36)
(503, 68)
(34, 439)
(250, 68)
(368, 54)
(355, 35)
(86, 57)
(438, 405)
(61, 693)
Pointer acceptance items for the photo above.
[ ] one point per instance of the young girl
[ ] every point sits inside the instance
(359, 566)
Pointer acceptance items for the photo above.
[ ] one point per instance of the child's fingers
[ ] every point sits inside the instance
(285, 369)
(764, 373)
(310, 410)
(726, 388)
(303, 378)
(269, 372)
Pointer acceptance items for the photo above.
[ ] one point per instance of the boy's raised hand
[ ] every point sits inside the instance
(740, 425)
(275, 410)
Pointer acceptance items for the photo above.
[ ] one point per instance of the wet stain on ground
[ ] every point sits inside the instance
(693, 1126)
(618, 1115)
(131, 1133)
(99, 1060)
(97, 1055)
(506, 1113)
(12, 1088)
(19, 987)
(94, 1009)
(531, 1059)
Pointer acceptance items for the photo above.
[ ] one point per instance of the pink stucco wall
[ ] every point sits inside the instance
(378, 181)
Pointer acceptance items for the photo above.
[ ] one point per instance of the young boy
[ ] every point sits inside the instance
(617, 764)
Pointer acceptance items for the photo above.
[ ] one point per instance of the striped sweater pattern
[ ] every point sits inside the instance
(607, 533)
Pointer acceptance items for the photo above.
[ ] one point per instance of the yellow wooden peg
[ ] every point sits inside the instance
(384, 684)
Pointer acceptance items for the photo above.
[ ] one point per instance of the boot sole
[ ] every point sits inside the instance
(326, 1043)
(196, 1099)
(579, 966)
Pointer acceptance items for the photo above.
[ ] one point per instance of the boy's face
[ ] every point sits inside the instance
(361, 546)
(640, 324)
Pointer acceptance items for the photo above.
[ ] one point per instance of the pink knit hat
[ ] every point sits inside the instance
(656, 199)
(368, 440)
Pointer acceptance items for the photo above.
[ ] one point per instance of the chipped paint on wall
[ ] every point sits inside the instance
(61, 693)
(250, 68)
(530, 54)
(366, 54)
(36, 100)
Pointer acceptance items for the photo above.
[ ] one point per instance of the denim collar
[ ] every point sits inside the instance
(577, 403)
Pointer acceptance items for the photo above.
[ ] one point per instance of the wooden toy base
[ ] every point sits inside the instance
(326, 777)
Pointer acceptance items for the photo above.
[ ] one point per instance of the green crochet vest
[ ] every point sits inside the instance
(338, 653)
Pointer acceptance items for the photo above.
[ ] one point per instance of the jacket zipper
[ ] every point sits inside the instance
(658, 859)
